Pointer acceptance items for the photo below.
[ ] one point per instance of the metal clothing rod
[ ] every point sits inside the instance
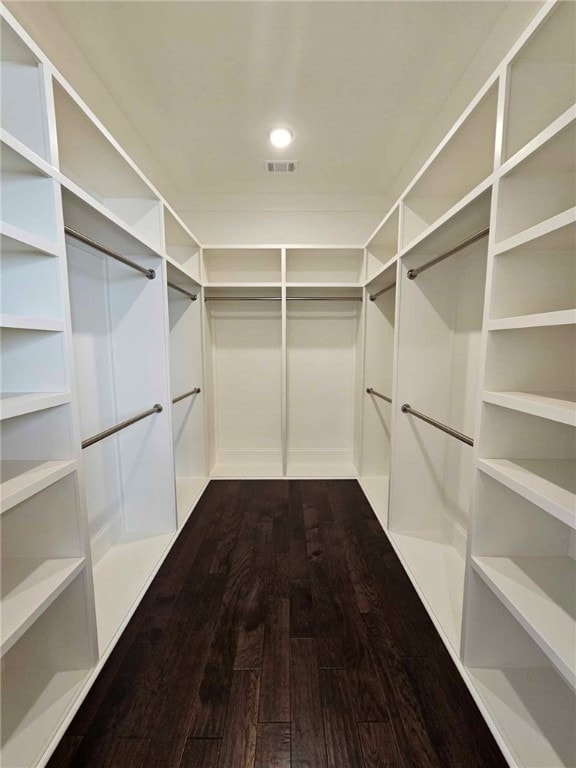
(374, 296)
(107, 432)
(449, 431)
(181, 290)
(323, 298)
(195, 391)
(288, 298)
(377, 394)
(150, 273)
(413, 273)
(243, 298)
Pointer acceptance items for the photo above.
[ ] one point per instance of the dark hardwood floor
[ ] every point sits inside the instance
(281, 632)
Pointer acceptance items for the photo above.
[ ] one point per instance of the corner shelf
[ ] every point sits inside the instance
(540, 593)
(548, 483)
(22, 479)
(29, 586)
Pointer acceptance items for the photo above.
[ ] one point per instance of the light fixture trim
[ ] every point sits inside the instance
(281, 136)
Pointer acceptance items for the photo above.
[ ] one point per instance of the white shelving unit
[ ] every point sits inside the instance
(482, 342)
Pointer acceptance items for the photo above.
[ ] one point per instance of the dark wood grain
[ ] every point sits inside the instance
(273, 746)
(379, 746)
(307, 740)
(238, 748)
(280, 632)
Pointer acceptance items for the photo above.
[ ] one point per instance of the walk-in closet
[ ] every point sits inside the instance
(288, 384)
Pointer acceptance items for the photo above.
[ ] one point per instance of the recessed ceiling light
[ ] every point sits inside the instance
(280, 137)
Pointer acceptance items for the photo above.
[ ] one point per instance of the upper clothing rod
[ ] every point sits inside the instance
(157, 408)
(413, 273)
(149, 273)
(279, 298)
(195, 391)
(374, 296)
(377, 394)
(175, 287)
(449, 431)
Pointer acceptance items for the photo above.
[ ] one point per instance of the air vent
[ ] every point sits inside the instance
(281, 167)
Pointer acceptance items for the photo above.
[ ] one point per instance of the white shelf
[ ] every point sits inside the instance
(25, 322)
(527, 236)
(540, 593)
(242, 285)
(538, 320)
(548, 483)
(22, 479)
(19, 403)
(188, 491)
(437, 570)
(324, 285)
(29, 586)
(52, 697)
(533, 711)
(119, 578)
(28, 239)
(556, 406)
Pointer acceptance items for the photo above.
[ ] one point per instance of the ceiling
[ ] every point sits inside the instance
(360, 83)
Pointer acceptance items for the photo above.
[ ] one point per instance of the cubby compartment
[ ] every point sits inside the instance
(324, 265)
(535, 279)
(539, 187)
(120, 351)
(324, 352)
(245, 376)
(91, 161)
(542, 78)
(42, 674)
(23, 109)
(27, 198)
(29, 282)
(534, 370)
(438, 357)
(32, 361)
(36, 452)
(532, 456)
(532, 706)
(383, 245)
(187, 388)
(526, 557)
(181, 248)
(242, 265)
(380, 309)
(465, 161)
(41, 553)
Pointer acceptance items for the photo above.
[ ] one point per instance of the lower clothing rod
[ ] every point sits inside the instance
(377, 394)
(181, 290)
(374, 296)
(243, 298)
(323, 298)
(150, 273)
(413, 273)
(288, 298)
(449, 431)
(195, 391)
(157, 408)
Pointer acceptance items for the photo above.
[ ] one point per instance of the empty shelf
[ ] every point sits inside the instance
(556, 406)
(537, 320)
(22, 479)
(24, 322)
(548, 483)
(29, 586)
(539, 591)
(19, 403)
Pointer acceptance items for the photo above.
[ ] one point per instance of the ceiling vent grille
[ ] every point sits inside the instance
(281, 167)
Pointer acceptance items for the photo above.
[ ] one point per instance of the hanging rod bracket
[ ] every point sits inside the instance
(150, 274)
(195, 391)
(374, 296)
(372, 391)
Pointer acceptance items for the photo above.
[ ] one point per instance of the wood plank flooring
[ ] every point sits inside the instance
(281, 632)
